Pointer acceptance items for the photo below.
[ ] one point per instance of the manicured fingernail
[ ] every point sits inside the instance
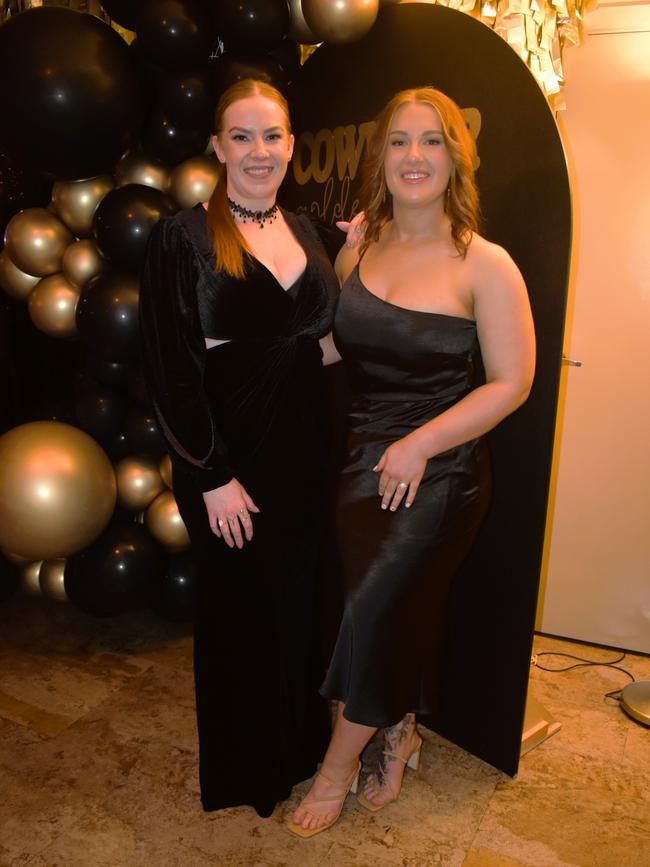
(392, 508)
(383, 506)
(408, 505)
(374, 468)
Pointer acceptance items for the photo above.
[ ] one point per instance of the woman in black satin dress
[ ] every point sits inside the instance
(424, 298)
(234, 301)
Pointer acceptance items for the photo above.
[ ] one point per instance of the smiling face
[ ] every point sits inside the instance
(255, 144)
(417, 164)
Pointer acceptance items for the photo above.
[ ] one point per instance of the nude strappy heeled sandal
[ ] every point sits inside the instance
(413, 762)
(352, 786)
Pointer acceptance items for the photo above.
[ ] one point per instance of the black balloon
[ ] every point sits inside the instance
(10, 579)
(107, 317)
(175, 34)
(137, 389)
(187, 98)
(125, 12)
(123, 222)
(116, 447)
(19, 189)
(287, 55)
(100, 411)
(70, 90)
(172, 141)
(252, 26)
(174, 594)
(227, 70)
(117, 573)
(114, 373)
(142, 434)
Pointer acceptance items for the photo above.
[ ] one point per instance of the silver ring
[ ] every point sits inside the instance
(402, 485)
(220, 522)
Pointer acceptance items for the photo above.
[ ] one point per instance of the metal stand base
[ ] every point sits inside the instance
(635, 701)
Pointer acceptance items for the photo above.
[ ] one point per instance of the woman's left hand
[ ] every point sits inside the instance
(401, 466)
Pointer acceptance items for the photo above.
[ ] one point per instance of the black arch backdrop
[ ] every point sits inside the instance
(526, 206)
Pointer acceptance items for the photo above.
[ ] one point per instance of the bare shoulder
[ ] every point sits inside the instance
(493, 269)
(346, 260)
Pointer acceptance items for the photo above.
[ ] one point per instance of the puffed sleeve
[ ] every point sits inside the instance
(174, 355)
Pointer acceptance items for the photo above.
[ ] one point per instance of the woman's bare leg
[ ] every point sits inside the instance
(385, 781)
(339, 766)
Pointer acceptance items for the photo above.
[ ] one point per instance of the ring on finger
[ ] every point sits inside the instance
(220, 522)
(402, 485)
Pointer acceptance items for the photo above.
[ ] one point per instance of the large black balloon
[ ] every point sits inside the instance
(117, 573)
(168, 140)
(10, 579)
(142, 434)
(100, 410)
(187, 98)
(175, 34)
(227, 70)
(71, 97)
(123, 222)
(125, 12)
(114, 373)
(107, 317)
(253, 26)
(173, 595)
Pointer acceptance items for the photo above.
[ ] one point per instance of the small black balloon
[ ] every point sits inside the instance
(9, 579)
(115, 373)
(117, 573)
(100, 410)
(107, 317)
(116, 446)
(171, 141)
(227, 70)
(137, 388)
(71, 93)
(187, 98)
(123, 222)
(125, 12)
(175, 34)
(143, 435)
(173, 595)
(253, 26)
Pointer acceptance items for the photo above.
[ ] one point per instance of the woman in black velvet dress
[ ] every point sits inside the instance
(235, 299)
(424, 299)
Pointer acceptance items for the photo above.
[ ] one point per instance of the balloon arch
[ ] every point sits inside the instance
(109, 131)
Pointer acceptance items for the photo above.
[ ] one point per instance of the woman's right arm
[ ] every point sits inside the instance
(174, 356)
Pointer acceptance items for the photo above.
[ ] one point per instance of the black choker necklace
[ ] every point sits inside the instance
(259, 217)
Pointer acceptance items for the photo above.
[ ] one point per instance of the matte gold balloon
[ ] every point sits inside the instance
(36, 241)
(30, 578)
(138, 482)
(51, 578)
(57, 490)
(165, 470)
(339, 21)
(298, 28)
(193, 181)
(52, 304)
(82, 261)
(14, 281)
(164, 522)
(75, 202)
(136, 168)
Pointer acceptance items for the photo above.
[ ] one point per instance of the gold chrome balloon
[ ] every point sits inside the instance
(36, 240)
(193, 181)
(82, 261)
(75, 202)
(138, 482)
(15, 558)
(57, 490)
(51, 578)
(339, 21)
(52, 304)
(14, 281)
(136, 168)
(30, 578)
(164, 522)
(298, 28)
(165, 470)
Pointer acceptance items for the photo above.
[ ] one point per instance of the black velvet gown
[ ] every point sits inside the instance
(405, 367)
(250, 408)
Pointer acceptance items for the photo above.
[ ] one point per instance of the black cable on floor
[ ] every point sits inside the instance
(587, 663)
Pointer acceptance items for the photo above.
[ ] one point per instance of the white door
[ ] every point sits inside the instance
(596, 586)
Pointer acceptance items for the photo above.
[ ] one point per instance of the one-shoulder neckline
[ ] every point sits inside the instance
(409, 309)
(199, 206)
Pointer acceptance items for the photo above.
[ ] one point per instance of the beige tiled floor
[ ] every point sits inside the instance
(98, 754)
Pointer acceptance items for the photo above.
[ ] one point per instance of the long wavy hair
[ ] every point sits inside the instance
(461, 199)
(229, 243)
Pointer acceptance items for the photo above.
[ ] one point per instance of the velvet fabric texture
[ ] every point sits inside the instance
(405, 367)
(251, 408)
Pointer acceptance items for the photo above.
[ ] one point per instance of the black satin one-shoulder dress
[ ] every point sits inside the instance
(405, 367)
(251, 408)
